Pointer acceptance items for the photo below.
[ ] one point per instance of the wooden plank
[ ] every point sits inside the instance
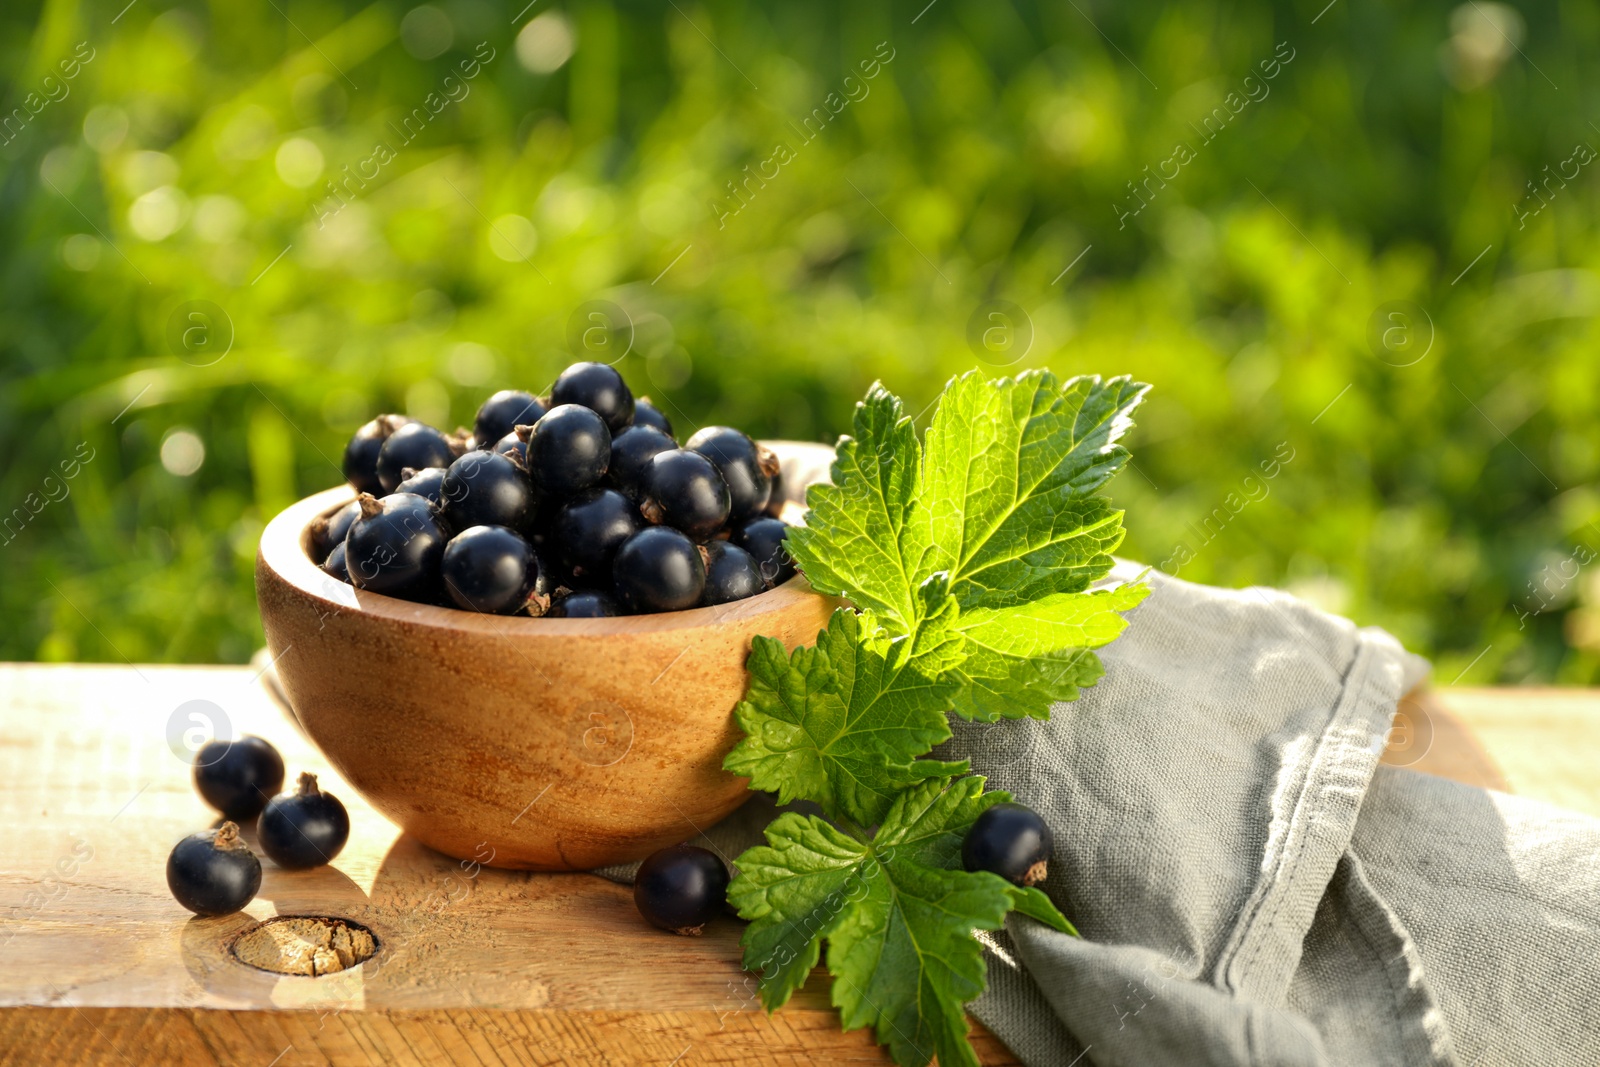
(1540, 743)
(475, 964)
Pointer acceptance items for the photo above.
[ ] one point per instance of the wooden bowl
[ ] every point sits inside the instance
(559, 744)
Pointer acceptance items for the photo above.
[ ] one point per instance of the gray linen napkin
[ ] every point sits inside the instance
(1252, 888)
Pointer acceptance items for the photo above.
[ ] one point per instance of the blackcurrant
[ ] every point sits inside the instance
(683, 490)
(645, 413)
(586, 604)
(763, 539)
(328, 531)
(412, 445)
(238, 777)
(361, 454)
(589, 528)
(339, 523)
(600, 389)
(731, 574)
(428, 482)
(489, 569)
(515, 444)
(658, 569)
(631, 453)
(486, 489)
(501, 413)
(335, 564)
(1010, 840)
(568, 450)
(213, 872)
(306, 828)
(394, 548)
(745, 466)
(681, 888)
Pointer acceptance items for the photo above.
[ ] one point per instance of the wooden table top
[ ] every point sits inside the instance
(483, 966)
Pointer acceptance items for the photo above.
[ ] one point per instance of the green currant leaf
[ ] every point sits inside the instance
(897, 911)
(862, 538)
(843, 723)
(1008, 479)
(793, 891)
(1030, 901)
(1022, 660)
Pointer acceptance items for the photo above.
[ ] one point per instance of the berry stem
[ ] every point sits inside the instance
(371, 506)
(307, 785)
(227, 835)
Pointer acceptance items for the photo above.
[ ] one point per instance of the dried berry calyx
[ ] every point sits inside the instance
(306, 828)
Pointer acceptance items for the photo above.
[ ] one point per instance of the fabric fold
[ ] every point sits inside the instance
(1208, 788)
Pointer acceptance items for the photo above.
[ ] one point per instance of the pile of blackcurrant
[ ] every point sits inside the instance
(214, 872)
(575, 505)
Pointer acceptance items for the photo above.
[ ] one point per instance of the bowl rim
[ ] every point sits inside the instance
(282, 553)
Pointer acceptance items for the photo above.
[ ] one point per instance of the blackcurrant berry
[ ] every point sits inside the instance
(645, 413)
(238, 777)
(339, 523)
(213, 872)
(568, 450)
(328, 531)
(589, 529)
(501, 413)
(600, 389)
(681, 888)
(306, 828)
(1009, 840)
(631, 453)
(335, 564)
(428, 482)
(731, 573)
(587, 604)
(486, 489)
(515, 444)
(683, 490)
(658, 569)
(394, 548)
(361, 454)
(413, 445)
(745, 466)
(763, 539)
(489, 569)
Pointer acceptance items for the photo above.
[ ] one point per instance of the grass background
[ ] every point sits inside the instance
(1432, 473)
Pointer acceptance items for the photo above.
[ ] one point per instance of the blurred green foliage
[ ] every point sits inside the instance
(590, 156)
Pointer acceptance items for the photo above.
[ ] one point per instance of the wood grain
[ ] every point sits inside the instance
(475, 965)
